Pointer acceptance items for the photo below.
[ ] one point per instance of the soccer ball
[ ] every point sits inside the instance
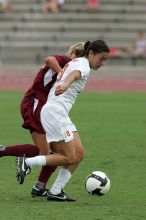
(97, 183)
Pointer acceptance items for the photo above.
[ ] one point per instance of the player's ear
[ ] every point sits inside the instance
(91, 52)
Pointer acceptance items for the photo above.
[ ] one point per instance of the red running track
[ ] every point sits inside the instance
(116, 85)
(16, 81)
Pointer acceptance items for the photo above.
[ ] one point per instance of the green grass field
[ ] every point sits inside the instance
(113, 131)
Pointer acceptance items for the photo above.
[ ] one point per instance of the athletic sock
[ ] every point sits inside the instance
(62, 178)
(45, 173)
(40, 185)
(36, 161)
(28, 150)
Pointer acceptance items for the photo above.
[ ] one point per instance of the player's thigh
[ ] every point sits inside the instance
(79, 149)
(40, 141)
(67, 149)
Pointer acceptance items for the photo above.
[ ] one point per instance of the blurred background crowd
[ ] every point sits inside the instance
(32, 29)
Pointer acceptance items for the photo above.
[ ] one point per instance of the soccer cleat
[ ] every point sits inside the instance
(36, 192)
(22, 169)
(61, 197)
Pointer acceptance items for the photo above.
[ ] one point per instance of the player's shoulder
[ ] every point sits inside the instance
(63, 57)
(81, 59)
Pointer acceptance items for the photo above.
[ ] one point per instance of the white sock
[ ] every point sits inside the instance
(36, 161)
(61, 180)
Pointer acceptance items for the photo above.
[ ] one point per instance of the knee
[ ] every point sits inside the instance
(71, 160)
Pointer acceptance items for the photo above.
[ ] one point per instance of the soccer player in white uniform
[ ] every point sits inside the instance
(55, 119)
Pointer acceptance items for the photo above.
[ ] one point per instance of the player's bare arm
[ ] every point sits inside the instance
(53, 64)
(75, 75)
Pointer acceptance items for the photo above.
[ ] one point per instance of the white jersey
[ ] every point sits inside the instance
(68, 98)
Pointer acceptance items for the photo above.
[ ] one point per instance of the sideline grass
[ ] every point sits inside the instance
(113, 130)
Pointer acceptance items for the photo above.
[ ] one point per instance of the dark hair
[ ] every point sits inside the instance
(97, 46)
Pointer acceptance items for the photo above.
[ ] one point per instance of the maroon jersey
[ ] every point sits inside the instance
(36, 96)
(44, 80)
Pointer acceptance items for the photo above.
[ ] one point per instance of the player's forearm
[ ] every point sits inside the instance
(53, 64)
(75, 75)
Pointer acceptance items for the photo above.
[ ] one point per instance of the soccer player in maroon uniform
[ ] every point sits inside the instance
(36, 97)
(31, 105)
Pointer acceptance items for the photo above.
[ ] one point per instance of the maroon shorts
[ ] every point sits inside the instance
(31, 119)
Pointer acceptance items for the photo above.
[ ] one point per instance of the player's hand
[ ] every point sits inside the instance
(60, 89)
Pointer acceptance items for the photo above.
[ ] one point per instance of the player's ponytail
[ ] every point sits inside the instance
(86, 45)
(97, 46)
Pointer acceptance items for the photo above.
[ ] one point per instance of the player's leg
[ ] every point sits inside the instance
(67, 157)
(79, 152)
(46, 171)
(66, 172)
(59, 183)
(40, 141)
(28, 150)
(39, 189)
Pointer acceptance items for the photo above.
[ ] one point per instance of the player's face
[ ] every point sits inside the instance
(97, 60)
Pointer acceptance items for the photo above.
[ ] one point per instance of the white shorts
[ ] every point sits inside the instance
(56, 123)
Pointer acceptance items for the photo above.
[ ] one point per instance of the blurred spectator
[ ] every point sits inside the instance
(61, 3)
(116, 52)
(92, 5)
(5, 6)
(138, 47)
(52, 6)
